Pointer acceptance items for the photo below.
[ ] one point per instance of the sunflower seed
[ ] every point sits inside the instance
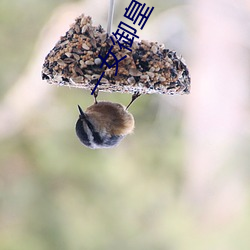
(88, 62)
(85, 46)
(134, 72)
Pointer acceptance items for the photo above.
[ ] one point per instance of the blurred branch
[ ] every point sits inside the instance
(216, 109)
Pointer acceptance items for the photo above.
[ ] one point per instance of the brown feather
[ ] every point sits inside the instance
(111, 117)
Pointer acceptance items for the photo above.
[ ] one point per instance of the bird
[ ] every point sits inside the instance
(104, 124)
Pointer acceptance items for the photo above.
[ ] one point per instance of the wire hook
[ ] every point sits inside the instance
(110, 16)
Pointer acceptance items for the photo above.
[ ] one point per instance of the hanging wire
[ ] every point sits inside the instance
(110, 16)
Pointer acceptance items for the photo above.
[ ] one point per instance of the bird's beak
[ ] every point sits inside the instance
(82, 115)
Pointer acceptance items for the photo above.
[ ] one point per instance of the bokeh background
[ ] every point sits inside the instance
(180, 182)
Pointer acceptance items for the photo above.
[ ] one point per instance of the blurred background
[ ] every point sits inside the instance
(181, 181)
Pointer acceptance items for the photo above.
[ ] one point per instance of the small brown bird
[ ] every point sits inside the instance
(104, 124)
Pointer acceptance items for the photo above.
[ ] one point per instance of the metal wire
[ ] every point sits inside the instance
(110, 16)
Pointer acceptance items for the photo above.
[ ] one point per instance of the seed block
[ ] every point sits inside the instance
(149, 68)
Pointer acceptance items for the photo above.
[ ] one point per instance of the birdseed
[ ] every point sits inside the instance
(149, 68)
